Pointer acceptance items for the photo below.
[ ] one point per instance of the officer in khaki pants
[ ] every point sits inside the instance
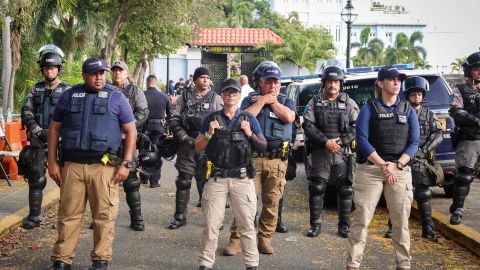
(387, 133)
(275, 113)
(229, 137)
(90, 118)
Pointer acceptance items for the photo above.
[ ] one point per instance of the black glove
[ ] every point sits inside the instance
(189, 140)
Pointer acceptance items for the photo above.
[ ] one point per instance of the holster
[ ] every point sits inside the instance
(251, 172)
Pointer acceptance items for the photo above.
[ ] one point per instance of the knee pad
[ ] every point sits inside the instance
(183, 183)
(463, 179)
(316, 187)
(131, 184)
(422, 195)
(344, 191)
(38, 183)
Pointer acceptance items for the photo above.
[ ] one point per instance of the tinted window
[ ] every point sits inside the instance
(362, 90)
(306, 94)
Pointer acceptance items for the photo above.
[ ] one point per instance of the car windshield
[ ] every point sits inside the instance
(361, 91)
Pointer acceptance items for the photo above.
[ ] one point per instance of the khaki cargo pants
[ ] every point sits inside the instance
(270, 182)
(82, 182)
(244, 205)
(368, 186)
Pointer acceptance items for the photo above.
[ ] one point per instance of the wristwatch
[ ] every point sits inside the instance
(127, 163)
(400, 165)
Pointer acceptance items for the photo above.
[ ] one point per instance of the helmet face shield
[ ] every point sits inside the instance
(50, 48)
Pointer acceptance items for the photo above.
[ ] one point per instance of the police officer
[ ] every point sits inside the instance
(387, 133)
(229, 137)
(90, 118)
(465, 111)
(36, 114)
(188, 114)
(139, 105)
(159, 105)
(415, 88)
(329, 125)
(275, 113)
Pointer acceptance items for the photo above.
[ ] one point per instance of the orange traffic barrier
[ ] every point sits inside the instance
(16, 136)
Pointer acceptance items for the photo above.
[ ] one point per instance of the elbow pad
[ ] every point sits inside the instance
(28, 120)
(141, 117)
(437, 139)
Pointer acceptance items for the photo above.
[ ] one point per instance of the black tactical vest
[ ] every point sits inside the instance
(196, 110)
(130, 92)
(229, 148)
(331, 117)
(471, 99)
(388, 132)
(44, 102)
(425, 128)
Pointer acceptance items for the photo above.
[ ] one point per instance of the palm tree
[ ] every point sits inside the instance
(369, 52)
(457, 65)
(239, 13)
(406, 50)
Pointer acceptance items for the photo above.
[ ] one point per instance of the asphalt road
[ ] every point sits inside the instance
(160, 248)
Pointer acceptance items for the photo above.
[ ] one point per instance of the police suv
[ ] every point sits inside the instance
(359, 85)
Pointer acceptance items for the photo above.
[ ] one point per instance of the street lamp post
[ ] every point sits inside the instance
(348, 16)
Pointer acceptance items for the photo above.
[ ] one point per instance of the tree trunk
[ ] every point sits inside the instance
(7, 59)
(151, 65)
(16, 60)
(143, 69)
(70, 56)
(106, 53)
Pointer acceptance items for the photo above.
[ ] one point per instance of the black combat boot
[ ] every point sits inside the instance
(281, 228)
(344, 203)
(59, 265)
(388, 233)
(314, 230)
(430, 233)
(203, 267)
(252, 268)
(460, 192)
(35, 197)
(99, 265)
(131, 187)
(181, 200)
(136, 222)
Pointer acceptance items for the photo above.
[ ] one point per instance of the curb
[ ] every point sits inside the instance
(464, 235)
(16, 219)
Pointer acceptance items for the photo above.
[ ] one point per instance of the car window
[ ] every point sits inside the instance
(439, 93)
(306, 94)
(362, 90)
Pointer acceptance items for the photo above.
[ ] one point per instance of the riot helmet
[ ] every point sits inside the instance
(258, 71)
(471, 61)
(49, 56)
(333, 73)
(415, 84)
(167, 147)
(149, 160)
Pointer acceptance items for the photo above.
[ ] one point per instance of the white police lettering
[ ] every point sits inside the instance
(385, 115)
(332, 74)
(99, 63)
(272, 115)
(49, 60)
(78, 95)
(272, 71)
(402, 119)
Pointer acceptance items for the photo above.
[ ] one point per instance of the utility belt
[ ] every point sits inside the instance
(281, 152)
(91, 158)
(155, 121)
(210, 171)
(239, 173)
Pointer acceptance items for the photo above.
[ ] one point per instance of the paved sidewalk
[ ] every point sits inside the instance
(14, 202)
